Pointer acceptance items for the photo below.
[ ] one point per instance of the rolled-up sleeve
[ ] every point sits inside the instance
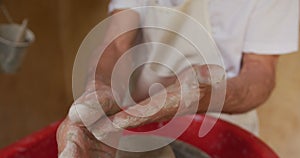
(273, 27)
(123, 4)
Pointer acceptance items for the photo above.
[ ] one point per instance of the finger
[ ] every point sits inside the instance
(103, 128)
(201, 76)
(85, 114)
(66, 136)
(133, 116)
(210, 74)
(91, 106)
(71, 150)
(158, 107)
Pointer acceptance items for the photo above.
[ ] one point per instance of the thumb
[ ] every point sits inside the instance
(210, 74)
(65, 143)
(71, 150)
(85, 114)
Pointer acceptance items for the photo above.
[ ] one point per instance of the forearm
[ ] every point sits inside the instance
(251, 87)
(115, 43)
(247, 92)
(102, 61)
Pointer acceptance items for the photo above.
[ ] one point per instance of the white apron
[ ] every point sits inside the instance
(151, 73)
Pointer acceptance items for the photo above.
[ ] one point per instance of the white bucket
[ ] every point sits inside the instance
(11, 52)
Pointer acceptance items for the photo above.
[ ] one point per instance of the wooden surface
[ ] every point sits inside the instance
(35, 96)
(40, 92)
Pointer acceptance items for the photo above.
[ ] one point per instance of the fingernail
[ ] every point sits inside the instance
(80, 113)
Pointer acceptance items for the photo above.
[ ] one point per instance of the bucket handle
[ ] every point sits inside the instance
(6, 13)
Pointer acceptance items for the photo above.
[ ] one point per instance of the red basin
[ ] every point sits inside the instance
(223, 141)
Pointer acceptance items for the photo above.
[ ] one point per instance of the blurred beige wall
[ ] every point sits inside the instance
(280, 115)
(41, 92)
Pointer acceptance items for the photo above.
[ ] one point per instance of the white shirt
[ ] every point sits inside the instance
(243, 26)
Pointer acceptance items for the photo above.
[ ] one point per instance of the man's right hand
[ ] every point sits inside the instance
(73, 138)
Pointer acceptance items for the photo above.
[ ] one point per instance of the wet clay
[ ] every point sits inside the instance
(165, 152)
(176, 149)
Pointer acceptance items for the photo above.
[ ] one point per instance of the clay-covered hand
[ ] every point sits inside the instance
(75, 141)
(182, 97)
(73, 137)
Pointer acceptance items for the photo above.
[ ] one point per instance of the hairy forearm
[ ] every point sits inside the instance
(251, 87)
(101, 63)
(115, 43)
(248, 91)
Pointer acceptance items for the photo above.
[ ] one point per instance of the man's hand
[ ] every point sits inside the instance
(180, 98)
(81, 133)
(74, 139)
(96, 101)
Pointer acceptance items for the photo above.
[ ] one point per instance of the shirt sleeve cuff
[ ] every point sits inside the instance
(121, 4)
(270, 49)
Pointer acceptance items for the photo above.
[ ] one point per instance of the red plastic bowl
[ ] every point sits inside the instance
(223, 141)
